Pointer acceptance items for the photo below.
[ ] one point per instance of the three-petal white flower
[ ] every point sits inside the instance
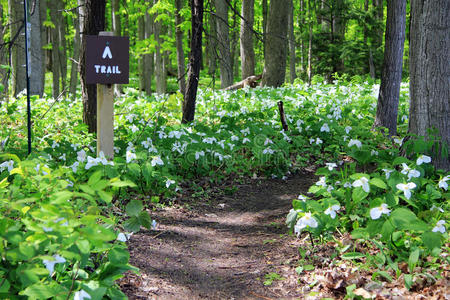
(406, 188)
(81, 295)
(443, 182)
(376, 212)
(306, 221)
(332, 210)
(356, 143)
(440, 226)
(362, 182)
(50, 264)
(423, 159)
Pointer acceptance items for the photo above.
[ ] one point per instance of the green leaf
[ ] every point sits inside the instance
(383, 274)
(121, 183)
(4, 288)
(132, 224)
(94, 178)
(145, 220)
(105, 196)
(118, 256)
(378, 183)
(360, 233)
(404, 218)
(41, 291)
(359, 194)
(61, 197)
(134, 207)
(291, 219)
(352, 255)
(399, 160)
(413, 259)
(431, 240)
(408, 281)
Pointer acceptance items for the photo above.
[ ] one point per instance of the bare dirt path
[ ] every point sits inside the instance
(223, 249)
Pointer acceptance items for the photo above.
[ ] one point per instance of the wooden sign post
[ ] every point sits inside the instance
(107, 63)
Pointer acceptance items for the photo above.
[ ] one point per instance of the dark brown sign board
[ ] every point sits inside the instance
(107, 59)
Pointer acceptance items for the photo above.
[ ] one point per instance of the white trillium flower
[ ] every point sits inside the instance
(123, 237)
(130, 156)
(423, 159)
(154, 224)
(50, 264)
(302, 198)
(245, 140)
(306, 221)
(440, 226)
(434, 207)
(169, 182)
(322, 182)
(157, 161)
(347, 185)
(75, 166)
(362, 182)
(387, 172)
(398, 141)
(376, 212)
(413, 173)
(347, 129)
(356, 143)
(443, 182)
(325, 128)
(406, 188)
(374, 153)
(9, 164)
(332, 210)
(405, 169)
(318, 141)
(91, 162)
(81, 295)
(331, 166)
(55, 144)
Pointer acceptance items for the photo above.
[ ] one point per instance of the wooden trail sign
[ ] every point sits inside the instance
(107, 63)
(107, 59)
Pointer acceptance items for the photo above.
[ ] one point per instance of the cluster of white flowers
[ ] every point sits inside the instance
(9, 164)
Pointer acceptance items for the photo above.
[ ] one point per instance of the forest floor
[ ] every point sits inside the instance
(235, 245)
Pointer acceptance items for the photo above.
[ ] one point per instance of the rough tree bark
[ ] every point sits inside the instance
(179, 45)
(94, 22)
(309, 70)
(141, 60)
(159, 61)
(429, 74)
(18, 82)
(291, 37)
(117, 30)
(148, 58)
(247, 51)
(276, 44)
(56, 61)
(212, 46)
(223, 39)
(37, 76)
(391, 76)
(76, 53)
(195, 57)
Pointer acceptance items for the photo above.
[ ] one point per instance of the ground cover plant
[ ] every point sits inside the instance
(66, 213)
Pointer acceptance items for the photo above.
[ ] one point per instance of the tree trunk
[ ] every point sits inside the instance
(194, 61)
(179, 45)
(391, 76)
(264, 23)
(57, 57)
(148, 58)
(18, 72)
(291, 38)
(159, 61)
(225, 59)
(117, 30)
(212, 46)
(63, 48)
(234, 45)
(4, 55)
(276, 44)
(37, 75)
(301, 20)
(429, 75)
(76, 55)
(141, 60)
(310, 43)
(94, 22)
(247, 52)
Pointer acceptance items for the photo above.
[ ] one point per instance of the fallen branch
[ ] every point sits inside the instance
(251, 81)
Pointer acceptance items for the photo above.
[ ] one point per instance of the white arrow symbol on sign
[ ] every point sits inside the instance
(107, 52)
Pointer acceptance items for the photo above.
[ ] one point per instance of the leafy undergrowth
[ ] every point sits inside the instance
(59, 231)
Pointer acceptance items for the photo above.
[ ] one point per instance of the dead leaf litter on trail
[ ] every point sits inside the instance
(238, 247)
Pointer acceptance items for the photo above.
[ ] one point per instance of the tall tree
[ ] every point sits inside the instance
(116, 25)
(93, 23)
(149, 57)
(391, 76)
(76, 51)
(4, 55)
(179, 45)
(195, 57)
(247, 52)
(276, 44)
(223, 39)
(17, 39)
(291, 38)
(429, 74)
(160, 70)
(141, 60)
(37, 76)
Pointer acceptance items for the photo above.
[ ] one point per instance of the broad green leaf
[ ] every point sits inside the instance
(431, 240)
(134, 207)
(61, 197)
(404, 218)
(408, 281)
(378, 183)
(94, 178)
(132, 224)
(145, 220)
(399, 160)
(118, 256)
(42, 291)
(358, 195)
(291, 219)
(105, 196)
(360, 233)
(121, 183)
(383, 274)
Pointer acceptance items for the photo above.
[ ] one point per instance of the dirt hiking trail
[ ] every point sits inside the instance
(223, 249)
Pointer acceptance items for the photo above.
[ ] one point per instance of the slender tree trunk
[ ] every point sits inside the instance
(37, 76)
(291, 38)
(194, 61)
(276, 44)
(212, 46)
(117, 30)
(391, 76)
(225, 59)
(310, 43)
(63, 47)
(56, 61)
(141, 60)
(4, 55)
(159, 61)
(179, 45)
(18, 72)
(94, 22)
(264, 21)
(247, 52)
(301, 20)
(76, 56)
(234, 45)
(429, 75)
(149, 58)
